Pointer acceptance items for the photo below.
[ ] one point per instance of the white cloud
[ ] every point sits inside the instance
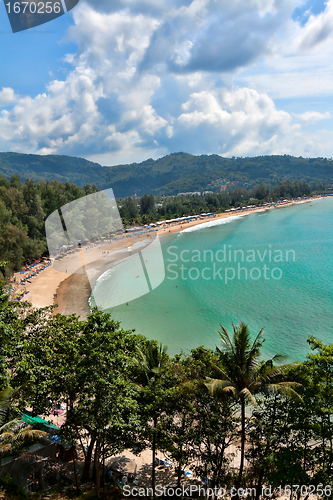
(299, 64)
(7, 95)
(319, 28)
(291, 84)
(238, 122)
(54, 120)
(312, 116)
(68, 117)
(149, 79)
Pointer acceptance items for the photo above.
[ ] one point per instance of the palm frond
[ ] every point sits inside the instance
(258, 338)
(27, 435)
(253, 355)
(230, 390)
(226, 340)
(221, 372)
(248, 397)
(140, 359)
(12, 425)
(5, 396)
(285, 389)
(217, 386)
(279, 358)
(268, 373)
(243, 374)
(5, 448)
(151, 359)
(6, 437)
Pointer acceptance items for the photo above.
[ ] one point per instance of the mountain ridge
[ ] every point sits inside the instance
(169, 175)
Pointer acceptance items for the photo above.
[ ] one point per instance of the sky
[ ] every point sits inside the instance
(121, 81)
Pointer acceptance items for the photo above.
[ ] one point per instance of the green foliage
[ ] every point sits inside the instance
(318, 393)
(149, 209)
(23, 210)
(10, 331)
(287, 464)
(124, 391)
(173, 174)
(11, 488)
(15, 435)
(24, 207)
(241, 375)
(5, 396)
(129, 210)
(86, 365)
(147, 204)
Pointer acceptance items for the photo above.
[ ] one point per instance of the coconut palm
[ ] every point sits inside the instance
(150, 360)
(243, 375)
(5, 396)
(14, 434)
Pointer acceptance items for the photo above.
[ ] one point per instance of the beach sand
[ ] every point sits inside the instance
(42, 287)
(72, 296)
(71, 291)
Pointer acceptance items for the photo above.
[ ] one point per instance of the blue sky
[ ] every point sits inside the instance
(126, 80)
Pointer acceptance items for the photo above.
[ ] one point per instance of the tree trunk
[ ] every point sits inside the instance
(259, 485)
(33, 412)
(153, 453)
(75, 476)
(97, 471)
(323, 442)
(83, 448)
(179, 469)
(329, 470)
(87, 462)
(241, 466)
(305, 448)
(179, 474)
(103, 465)
(219, 465)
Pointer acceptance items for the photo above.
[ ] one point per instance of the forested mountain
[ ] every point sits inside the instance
(52, 167)
(23, 210)
(173, 174)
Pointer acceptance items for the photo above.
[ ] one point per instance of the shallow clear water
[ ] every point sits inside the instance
(292, 303)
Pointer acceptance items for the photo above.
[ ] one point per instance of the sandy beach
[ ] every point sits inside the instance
(70, 291)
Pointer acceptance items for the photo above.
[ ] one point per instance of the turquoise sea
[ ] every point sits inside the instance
(285, 283)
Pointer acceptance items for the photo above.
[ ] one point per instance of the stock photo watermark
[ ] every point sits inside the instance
(227, 264)
(195, 490)
(133, 262)
(24, 15)
(103, 250)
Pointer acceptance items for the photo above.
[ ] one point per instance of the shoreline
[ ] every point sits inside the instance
(71, 292)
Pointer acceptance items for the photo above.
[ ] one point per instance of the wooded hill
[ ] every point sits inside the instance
(173, 174)
(24, 207)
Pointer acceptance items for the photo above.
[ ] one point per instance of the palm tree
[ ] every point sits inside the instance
(5, 396)
(14, 433)
(150, 360)
(243, 375)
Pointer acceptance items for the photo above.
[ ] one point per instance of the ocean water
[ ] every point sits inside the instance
(272, 269)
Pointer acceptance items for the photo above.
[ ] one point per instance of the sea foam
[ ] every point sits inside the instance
(215, 222)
